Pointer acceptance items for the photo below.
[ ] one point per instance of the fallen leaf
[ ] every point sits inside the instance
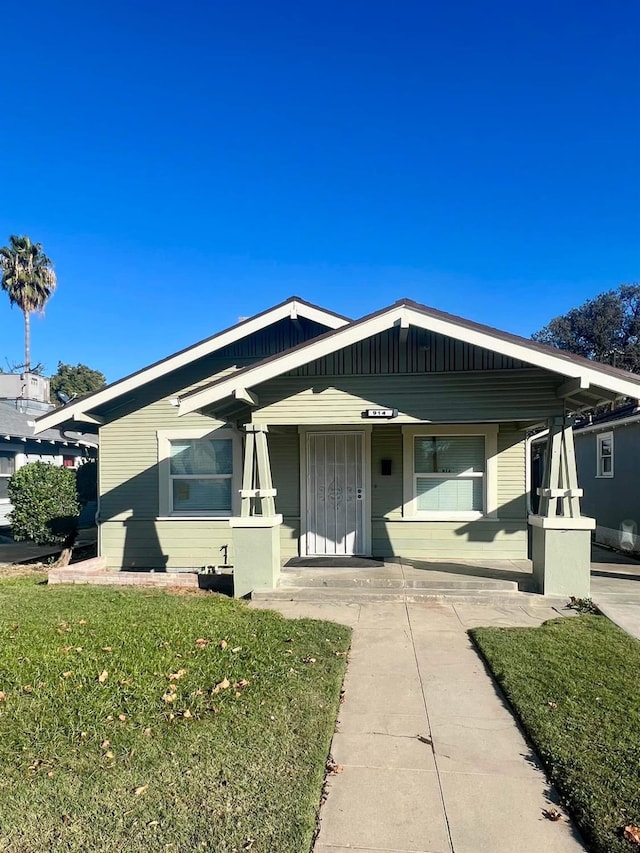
(223, 644)
(147, 731)
(109, 719)
(50, 774)
(175, 676)
(173, 688)
(552, 704)
(169, 697)
(122, 717)
(109, 755)
(3, 696)
(82, 622)
(187, 714)
(332, 767)
(248, 844)
(240, 685)
(27, 688)
(140, 790)
(103, 676)
(222, 685)
(68, 673)
(237, 649)
(552, 814)
(106, 648)
(105, 744)
(201, 643)
(632, 834)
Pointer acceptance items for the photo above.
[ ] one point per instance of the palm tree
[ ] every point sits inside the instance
(29, 279)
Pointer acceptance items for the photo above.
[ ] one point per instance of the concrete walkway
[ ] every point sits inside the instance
(414, 677)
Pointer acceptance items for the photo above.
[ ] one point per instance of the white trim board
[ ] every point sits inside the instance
(519, 349)
(292, 308)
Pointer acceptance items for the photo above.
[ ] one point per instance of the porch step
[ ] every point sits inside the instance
(357, 595)
(298, 580)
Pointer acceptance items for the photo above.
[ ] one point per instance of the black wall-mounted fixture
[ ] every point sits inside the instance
(385, 467)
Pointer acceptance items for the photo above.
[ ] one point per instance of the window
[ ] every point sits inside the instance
(201, 471)
(605, 455)
(7, 468)
(449, 472)
(198, 472)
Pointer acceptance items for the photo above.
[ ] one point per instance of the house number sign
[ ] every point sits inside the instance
(380, 414)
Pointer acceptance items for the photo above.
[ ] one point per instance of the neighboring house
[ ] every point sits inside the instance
(608, 460)
(299, 432)
(22, 398)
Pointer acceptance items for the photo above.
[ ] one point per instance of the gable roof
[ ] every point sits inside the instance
(15, 425)
(292, 308)
(588, 380)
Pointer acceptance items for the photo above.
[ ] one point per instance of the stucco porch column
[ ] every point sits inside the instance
(256, 531)
(561, 536)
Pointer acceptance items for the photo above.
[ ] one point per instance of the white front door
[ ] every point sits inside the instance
(335, 493)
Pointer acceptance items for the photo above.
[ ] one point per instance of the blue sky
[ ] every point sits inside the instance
(184, 165)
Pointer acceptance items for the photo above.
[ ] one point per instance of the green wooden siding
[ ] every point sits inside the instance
(498, 395)
(420, 352)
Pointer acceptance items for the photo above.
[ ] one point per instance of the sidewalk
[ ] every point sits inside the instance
(414, 676)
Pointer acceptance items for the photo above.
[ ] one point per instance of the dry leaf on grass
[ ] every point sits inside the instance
(122, 717)
(187, 714)
(140, 790)
(3, 696)
(169, 697)
(632, 834)
(552, 814)
(221, 685)
(201, 643)
(106, 649)
(103, 676)
(176, 676)
(223, 644)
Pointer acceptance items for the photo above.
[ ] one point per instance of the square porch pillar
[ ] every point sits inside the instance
(255, 533)
(561, 536)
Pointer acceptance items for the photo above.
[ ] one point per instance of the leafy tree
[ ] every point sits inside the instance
(29, 280)
(45, 506)
(73, 381)
(606, 328)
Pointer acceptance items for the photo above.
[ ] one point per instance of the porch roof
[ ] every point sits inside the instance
(585, 382)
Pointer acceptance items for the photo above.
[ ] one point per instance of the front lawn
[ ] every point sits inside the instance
(146, 721)
(575, 685)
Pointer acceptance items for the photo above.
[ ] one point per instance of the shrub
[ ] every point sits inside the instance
(45, 505)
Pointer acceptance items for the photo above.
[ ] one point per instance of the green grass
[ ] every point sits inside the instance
(153, 757)
(575, 685)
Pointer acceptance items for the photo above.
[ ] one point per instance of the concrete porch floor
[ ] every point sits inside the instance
(615, 582)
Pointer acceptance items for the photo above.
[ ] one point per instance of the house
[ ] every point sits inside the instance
(22, 398)
(300, 432)
(608, 462)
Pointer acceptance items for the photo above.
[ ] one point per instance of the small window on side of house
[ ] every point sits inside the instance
(604, 461)
(7, 468)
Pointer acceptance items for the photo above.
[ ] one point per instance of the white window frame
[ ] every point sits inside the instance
(489, 432)
(165, 491)
(600, 439)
